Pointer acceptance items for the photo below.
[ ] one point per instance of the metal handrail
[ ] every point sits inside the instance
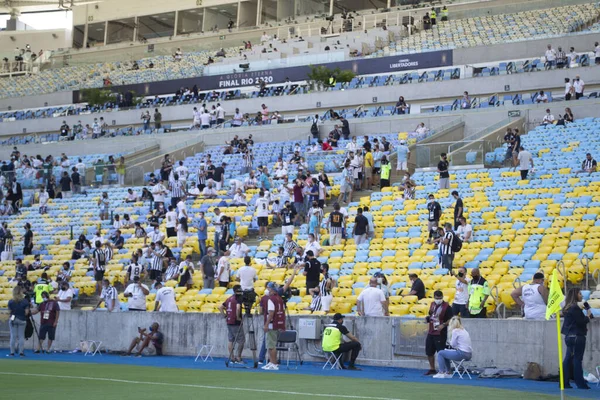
(517, 280)
(596, 279)
(562, 272)
(478, 135)
(587, 270)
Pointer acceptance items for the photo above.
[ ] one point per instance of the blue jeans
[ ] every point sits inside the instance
(17, 335)
(572, 362)
(202, 247)
(445, 356)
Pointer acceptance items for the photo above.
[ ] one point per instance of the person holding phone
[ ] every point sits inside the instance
(575, 330)
(153, 336)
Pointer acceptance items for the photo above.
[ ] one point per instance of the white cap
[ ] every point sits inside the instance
(403, 141)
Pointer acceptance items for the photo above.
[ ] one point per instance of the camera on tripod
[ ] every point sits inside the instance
(292, 291)
(329, 18)
(247, 298)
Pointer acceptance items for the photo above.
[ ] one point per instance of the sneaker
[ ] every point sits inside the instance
(261, 362)
(448, 375)
(431, 372)
(10, 355)
(274, 367)
(268, 366)
(439, 375)
(353, 368)
(36, 352)
(22, 355)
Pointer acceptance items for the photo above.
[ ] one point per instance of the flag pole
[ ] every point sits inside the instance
(560, 360)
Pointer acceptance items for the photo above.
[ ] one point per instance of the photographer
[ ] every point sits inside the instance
(231, 309)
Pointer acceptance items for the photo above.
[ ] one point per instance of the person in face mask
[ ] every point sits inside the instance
(479, 291)
(439, 316)
(382, 283)
(434, 211)
(49, 312)
(64, 297)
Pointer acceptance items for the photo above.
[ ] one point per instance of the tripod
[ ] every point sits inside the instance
(247, 319)
(289, 321)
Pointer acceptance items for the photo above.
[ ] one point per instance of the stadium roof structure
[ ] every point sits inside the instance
(20, 6)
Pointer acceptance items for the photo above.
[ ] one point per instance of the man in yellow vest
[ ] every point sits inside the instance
(479, 291)
(42, 286)
(433, 16)
(332, 341)
(385, 171)
(332, 81)
(444, 14)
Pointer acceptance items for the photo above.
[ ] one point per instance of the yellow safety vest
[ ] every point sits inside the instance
(332, 337)
(385, 171)
(445, 13)
(39, 289)
(433, 14)
(332, 81)
(477, 292)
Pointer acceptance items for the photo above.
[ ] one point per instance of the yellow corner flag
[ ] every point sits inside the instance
(555, 297)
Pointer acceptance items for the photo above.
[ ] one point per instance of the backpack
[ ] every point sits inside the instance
(456, 243)
(314, 129)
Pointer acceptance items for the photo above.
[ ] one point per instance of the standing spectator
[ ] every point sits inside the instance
(262, 213)
(146, 120)
(27, 240)
(461, 349)
(312, 271)
(19, 312)
(264, 113)
(433, 219)
(246, 275)
(525, 162)
(109, 296)
(66, 185)
(219, 176)
(65, 296)
(371, 302)
(442, 168)
(438, 319)
(579, 87)
(207, 266)
(446, 246)
(479, 291)
(171, 222)
(458, 209)
(76, 180)
(403, 153)
(220, 114)
(103, 204)
(461, 296)
(465, 103)
(569, 89)
(120, 168)
(177, 190)
(159, 193)
(401, 106)
(550, 55)
(345, 128)
(532, 298)
(165, 298)
(223, 270)
(202, 227)
(287, 216)
(361, 227)
(157, 119)
(597, 53)
(335, 222)
(575, 330)
(136, 292)
(561, 58)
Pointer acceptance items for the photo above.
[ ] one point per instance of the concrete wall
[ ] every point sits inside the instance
(51, 39)
(306, 104)
(507, 343)
(39, 101)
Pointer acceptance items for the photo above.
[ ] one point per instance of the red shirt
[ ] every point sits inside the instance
(48, 311)
(326, 146)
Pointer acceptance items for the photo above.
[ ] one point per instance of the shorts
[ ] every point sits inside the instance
(434, 343)
(154, 274)
(345, 188)
(271, 339)
(444, 183)
(171, 232)
(285, 229)
(402, 165)
(263, 221)
(232, 334)
(368, 172)
(98, 276)
(326, 303)
(47, 329)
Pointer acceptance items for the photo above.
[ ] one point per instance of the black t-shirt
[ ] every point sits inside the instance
(345, 127)
(367, 145)
(459, 205)
(509, 137)
(341, 328)
(218, 174)
(75, 177)
(287, 216)
(435, 211)
(64, 130)
(517, 142)
(337, 219)
(386, 146)
(65, 184)
(419, 288)
(210, 172)
(360, 225)
(312, 269)
(443, 166)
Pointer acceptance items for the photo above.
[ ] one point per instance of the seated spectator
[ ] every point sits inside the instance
(421, 129)
(178, 54)
(153, 336)
(588, 165)
(325, 146)
(417, 288)
(239, 199)
(460, 348)
(541, 97)
(464, 231)
(238, 249)
(131, 197)
(568, 117)
(209, 191)
(548, 118)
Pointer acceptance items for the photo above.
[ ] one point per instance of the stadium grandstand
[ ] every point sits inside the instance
(367, 196)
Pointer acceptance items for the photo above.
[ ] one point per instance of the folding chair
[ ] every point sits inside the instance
(598, 375)
(92, 347)
(201, 350)
(287, 342)
(460, 368)
(333, 360)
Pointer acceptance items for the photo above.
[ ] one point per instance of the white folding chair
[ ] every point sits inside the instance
(460, 368)
(201, 353)
(92, 347)
(333, 361)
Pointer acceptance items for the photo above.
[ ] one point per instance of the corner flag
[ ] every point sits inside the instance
(555, 297)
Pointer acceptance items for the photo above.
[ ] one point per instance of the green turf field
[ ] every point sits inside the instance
(21, 379)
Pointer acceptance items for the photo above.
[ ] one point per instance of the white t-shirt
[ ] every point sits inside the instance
(63, 295)
(463, 230)
(578, 85)
(597, 51)
(270, 307)
(171, 218)
(550, 55)
(262, 207)
(223, 269)
(542, 98)
(138, 300)
(314, 247)
(321, 190)
(158, 192)
(568, 87)
(220, 113)
(524, 158)
(371, 298)
(182, 171)
(462, 293)
(205, 119)
(238, 251)
(80, 168)
(548, 118)
(166, 297)
(247, 275)
(209, 191)
(181, 210)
